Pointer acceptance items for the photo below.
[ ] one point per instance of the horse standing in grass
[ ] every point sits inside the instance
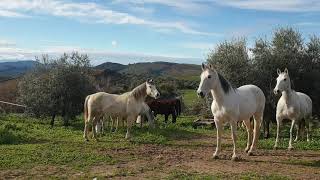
(232, 105)
(128, 106)
(292, 105)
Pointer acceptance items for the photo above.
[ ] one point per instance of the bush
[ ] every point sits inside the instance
(57, 87)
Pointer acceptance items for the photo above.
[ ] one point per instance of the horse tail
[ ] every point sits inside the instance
(85, 109)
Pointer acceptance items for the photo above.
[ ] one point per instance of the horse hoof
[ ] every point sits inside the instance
(275, 147)
(246, 150)
(215, 157)
(235, 158)
(250, 153)
(290, 148)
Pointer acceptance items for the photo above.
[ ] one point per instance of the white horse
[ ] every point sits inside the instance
(292, 105)
(232, 105)
(146, 113)
(127, 106)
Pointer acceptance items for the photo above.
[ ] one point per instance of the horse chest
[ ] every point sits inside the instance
(290, 111)
(222, 113)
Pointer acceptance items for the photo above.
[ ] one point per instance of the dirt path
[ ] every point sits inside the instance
(193, 156)
(157, 161)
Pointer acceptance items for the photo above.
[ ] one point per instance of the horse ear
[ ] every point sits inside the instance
(211, 66)
(150, 80)
(203, 67)
(278, 71)
(286, 71)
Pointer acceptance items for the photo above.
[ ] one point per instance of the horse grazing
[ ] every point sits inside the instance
(166, 107)
(232, 105)
(146, 116)
(292, 105)
(127, 106)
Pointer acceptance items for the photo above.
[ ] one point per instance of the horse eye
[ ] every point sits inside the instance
(285, 79)
(209, 76)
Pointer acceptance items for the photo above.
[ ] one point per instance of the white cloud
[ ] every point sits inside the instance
(91, 12)
(201, 46)
(11, 14)
(5, 43)
(97, 56)
(184, 5)
(274, 5)
(308, 24)
(114, 43)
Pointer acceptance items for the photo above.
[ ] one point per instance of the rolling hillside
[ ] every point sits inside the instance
(179, 71)
(15, 69)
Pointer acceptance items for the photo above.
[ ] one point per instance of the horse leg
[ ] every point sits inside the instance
(266, 123)
(102, 126)
(166, 116)
(111, 124)
(117, 125)
(308, 129)
(298, 129)
(94, 123)
(233, 125)
(174, 118)
(86, 127)
(130, 121)
(258, 118)
(218, 147)
(249, 132)
(290, 147)
(279, 123)
(268, 128)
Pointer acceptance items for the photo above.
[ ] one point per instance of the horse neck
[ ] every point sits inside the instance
(287, 95)
(140, 92)
(218, 94)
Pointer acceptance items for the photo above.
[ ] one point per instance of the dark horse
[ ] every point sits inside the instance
(166, 107)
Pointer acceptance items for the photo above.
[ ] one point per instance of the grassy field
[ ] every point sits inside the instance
(29, 148)
(189, 96)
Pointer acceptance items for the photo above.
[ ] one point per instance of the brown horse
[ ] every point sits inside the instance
(166, 107)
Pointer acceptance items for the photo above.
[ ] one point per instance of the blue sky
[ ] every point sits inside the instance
(128, 31)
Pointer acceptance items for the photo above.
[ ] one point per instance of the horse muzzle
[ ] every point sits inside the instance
(201, 94)
(157, 96)
(276, 91)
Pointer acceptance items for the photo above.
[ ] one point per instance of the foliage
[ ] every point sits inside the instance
(286, 49)
(57, 86)
(232, 60)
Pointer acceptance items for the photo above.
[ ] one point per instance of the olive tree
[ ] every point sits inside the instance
(57, 86)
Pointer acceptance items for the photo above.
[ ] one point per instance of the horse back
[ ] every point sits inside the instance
(305, 103)
(251, 100)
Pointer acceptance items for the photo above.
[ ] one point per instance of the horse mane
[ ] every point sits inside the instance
(139, 91)
(226, 85)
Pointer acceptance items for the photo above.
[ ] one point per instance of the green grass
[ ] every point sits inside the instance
(189, 96)
(28, 143)
(243, 176)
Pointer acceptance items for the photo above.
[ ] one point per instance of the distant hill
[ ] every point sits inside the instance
(180, 71)
(10, 70)
(111, 66)
(14, 69)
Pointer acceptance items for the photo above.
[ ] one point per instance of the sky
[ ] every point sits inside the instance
(129, 31)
